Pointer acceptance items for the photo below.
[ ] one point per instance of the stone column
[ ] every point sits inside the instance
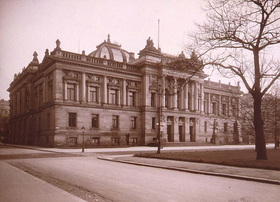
(209, 104)
(202, 98)
(104, 100)
(195, 95)
(219, 105)
(88, 93)
(118, 97)
(146, 93)
(65, 90)
(83, 88)
(124, 95)
(175, 95)
(186, 95)
(77, 92)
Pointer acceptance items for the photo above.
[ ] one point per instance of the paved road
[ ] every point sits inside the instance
(123, 182)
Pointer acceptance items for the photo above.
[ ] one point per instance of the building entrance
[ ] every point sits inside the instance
(192, 130)
(170, 134)
(182, 129)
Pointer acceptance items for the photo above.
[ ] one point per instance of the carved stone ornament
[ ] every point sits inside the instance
(153, 86)
(114, 82)
(132, 85)
(93, 79)
(71, 76)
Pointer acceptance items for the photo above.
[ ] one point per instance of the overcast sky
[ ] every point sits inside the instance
(34, 25)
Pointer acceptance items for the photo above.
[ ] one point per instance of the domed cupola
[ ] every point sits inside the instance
(112, 51)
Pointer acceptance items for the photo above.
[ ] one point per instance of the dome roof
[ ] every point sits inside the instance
(112, 51)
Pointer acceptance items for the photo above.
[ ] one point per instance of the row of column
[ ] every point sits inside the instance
(182, 99)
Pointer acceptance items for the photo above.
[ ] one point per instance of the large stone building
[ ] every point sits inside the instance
(109, 97)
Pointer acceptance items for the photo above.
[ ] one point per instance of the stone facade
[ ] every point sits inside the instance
(109, 98)
(4, 119)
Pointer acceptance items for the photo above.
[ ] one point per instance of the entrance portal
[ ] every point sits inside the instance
(170, 133)
(192, 130)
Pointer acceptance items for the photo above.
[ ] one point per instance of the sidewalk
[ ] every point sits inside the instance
(17, 185)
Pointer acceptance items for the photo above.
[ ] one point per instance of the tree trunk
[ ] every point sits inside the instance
(258, 121)
(258, 124)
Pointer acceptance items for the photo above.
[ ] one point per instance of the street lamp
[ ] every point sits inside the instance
(159, 119)
(83, 144)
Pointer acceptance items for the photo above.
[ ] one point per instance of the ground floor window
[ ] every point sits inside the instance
(115, 141)
(95, 140)
(72, 141)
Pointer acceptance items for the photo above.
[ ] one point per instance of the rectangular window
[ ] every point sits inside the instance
(234, 110)
(225, 127)
(94, 121)
(50, 91)
(95, 140)
(93, 94)
(134, 140)
(72, 141)
(70, 92)
(131, 98)
(153, 123)
(224, 109)
(153, 99)
(133, 122)
(115, 122)
(113, 96)
(116, 141)
(72, 121)
(205, 106)
(214, 108)
(205, 126)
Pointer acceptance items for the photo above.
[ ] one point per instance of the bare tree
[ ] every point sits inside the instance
(237, 39)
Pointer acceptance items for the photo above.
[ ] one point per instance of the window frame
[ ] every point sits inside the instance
(115, 122)
(72, 120)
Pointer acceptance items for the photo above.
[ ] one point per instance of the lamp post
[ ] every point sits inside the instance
(83, 143)
(159, 120)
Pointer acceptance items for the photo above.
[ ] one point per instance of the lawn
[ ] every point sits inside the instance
(239, 158)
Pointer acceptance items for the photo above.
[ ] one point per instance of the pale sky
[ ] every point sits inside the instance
(34, 25)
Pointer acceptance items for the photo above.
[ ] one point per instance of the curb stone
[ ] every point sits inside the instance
(239, 177)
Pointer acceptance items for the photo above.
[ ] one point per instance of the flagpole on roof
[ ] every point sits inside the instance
(158, 32)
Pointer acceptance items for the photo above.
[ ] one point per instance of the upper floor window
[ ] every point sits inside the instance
(153, 99)
(50, 91)
(214, 107)
(93, 94)
(131, 98)
(224, 109)
(234, 110)
(71, 91)
(113, 96)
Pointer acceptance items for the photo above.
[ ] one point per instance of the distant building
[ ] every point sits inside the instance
(115, 98)
(4, 119)
(270, 116)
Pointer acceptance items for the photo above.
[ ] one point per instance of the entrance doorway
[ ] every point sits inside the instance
(170, 134)
(192, 130)
(182, 129)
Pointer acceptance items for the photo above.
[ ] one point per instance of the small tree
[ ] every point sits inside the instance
(236, 39)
